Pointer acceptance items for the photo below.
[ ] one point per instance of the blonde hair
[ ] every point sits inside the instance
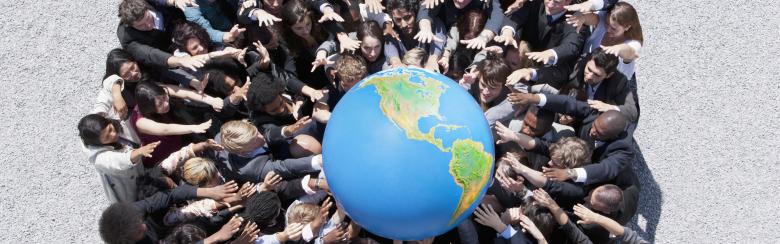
(416, 57)
(571, 152)
(302, 213)
(235, 135)
(199, 171)
(626, 16)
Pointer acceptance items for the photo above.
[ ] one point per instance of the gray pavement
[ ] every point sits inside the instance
(708, 131)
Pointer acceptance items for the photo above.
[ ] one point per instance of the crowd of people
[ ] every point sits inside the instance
(208, 124)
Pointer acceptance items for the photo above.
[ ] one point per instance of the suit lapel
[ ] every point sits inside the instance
(543, 26)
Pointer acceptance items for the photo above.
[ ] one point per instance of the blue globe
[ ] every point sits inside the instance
(408, 154)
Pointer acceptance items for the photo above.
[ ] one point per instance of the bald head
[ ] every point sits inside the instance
(609, 125)
(606, 198)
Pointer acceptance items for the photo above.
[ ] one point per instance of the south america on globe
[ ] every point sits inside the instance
(408, 154)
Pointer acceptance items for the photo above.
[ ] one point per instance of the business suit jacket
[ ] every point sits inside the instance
(149, 47)
(612, 90)
(531, 25)
(609, 158)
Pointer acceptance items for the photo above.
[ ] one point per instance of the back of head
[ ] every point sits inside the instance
(626, 16)
(494, 70)
(571, 152)
(541, 217)
(351, 67)
(262, 208)
(610, 196)
(199, 171)
(369, 29)
(614, 122)
(470, 25)
(120, 223)
(415, 57)
(145, 94)
(606, 61)
(185, 234)
(91, 126)
(132, 10)
(303, 213)
(295, 11)
(235, 135)
(263, 90)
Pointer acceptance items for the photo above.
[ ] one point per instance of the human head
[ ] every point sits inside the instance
(122, 223)
(240, 137)
(96, 130)
(460, 4)
(623, 23)
(404, 14)
(541, 217)
(608, 126)
(302, 213)
(569, 153)
(221, 83)
(262, 208)
(555, 6)
(350, 69)
(273, 7)
(370, 35)
(458, 63)
(493, 72)
(185, 234)
(470, 25)
(415, 57)
(265, 94)
(121, 63)
(191, 38)
(297, 17)
(600, 66)
(537, 122)
(516, 58)
(606, 199)
(151, 99)
(200, 172)
(136, 14)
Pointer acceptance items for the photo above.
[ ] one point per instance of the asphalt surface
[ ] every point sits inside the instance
(708, 132)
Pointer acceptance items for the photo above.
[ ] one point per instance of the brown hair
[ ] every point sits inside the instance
(494, 70)
(471, 24)
(132, 10)
(571, 152)
(351, 67)
(626, 16)
(235, 135)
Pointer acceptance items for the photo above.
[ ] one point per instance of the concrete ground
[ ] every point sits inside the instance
(708, 131)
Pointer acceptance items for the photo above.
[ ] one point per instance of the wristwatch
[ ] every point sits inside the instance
(572, 174)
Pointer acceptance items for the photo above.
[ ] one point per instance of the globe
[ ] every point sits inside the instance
(408, 154)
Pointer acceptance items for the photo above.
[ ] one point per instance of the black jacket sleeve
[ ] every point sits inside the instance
(619, 156)
(164, 199)
(568, 105)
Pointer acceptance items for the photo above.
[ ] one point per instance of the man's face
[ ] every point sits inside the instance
(130, 72)
(530, 125)
(594, 74)
(555, 6)
(278, 106)
(146, 23)
(273, 7)
(252, 145)
(194, 47)
(405, 20)
(371, 48)
(488, 93)
(302, 28)
(597, 130)
(460, 4)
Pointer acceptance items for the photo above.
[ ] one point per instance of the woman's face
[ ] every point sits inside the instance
(161, 104)
(488, 93)
(194, 47)
(371, 48)
(109, 135)
(302, 28)
(130, 72)
(614, 29)
(273, 7)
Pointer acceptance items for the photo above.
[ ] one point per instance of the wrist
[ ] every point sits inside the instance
(572, 174)
(282, 237)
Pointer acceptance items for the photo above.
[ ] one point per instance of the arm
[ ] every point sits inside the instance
(608, 168)
(496, 18)
(556, 75)
(179, 92)
(193, 14)
(570, 46)
(151, 127)
(162, 200)
(149, 55)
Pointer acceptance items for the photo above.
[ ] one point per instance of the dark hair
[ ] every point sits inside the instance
(351, 66)
(185, 234)
(119, 223)
(408, 5)
(114, 61)
(145, 93)
(541, 217)
(263, 90)
(494, 69)
(262, 208)
(132, 10)
(90, 127)
(219, 69)
(471, 24)
(459, 62)
(187, 30)
(295, 11)
(606, 61)
(611, 195)
(370, 28)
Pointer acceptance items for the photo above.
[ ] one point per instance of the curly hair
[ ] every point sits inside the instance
(119, 223)
(263, 90)
(262, 208)
(571, 152)
(187, 30)
(132, 10)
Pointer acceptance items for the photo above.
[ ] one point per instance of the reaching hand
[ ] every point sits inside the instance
(576, 20)
(601, 106)
(388, 31)
(222, 191)
(182, 4)
(239, 93)
(444, 62)
(582, 7)
(469, 79)
(544, 199)
(148, 149)
(520, 75)
(249, 235)
(515, 6)
(227, 230)
(478, 43)
(505, 134)
(485, 215)
(346, 43)
(231, 35)
(375, 6)
(329, 15)
(530, 227)
(337, 235)
(293, 129)
(320, 60)
(429, 4)
(193, 62)
(556, 174)
(545, 57)
(265, 18)
(509, 183)
(522, 99)
(614, 50)
(425, 34)
(270, 182)
(291, 233)
(248, 4)
(586, 215)
(506, 38)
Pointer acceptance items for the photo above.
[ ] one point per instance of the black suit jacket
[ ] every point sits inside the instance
(530, 24)
(148, 47)
(612, 90)
(609, 158)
